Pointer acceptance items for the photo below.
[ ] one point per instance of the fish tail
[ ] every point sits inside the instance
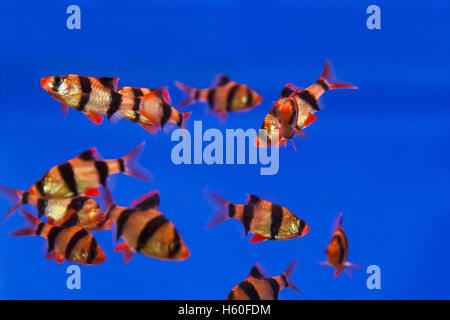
(15, 197)
(222, 206)
(288, 276)
(27, 231)
(131, 166)
(327, 76)
(189, 94)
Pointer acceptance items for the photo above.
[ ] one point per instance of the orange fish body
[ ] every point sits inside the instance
(337, 250)
(266, 220)
(71, 243)
(83, 174)
(257, 286)
(93, 96)
(145, 230)
(224, 96)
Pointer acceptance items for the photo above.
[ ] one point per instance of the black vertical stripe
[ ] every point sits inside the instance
(249, 97)
(74, 240)
(87, 155)
(275, 287)
(248, 217)
(166, 113)
(293, 118)
(25, 197)
(42, 206)
(249, 290)
(93, 251)
(52, 235)
(231, 295)
(301, 226)
(124, 216)
(149, 230)
(137, 92)
(121, 165)
(116, 101)
(341, 249)
(180, 119)
(40, 185)
(286, 92)
(306, 96)
(277, 218)
(231, 210)
(86, 89)
(175, 245)
(323, 84)
(283, 277)
(103, 171)
(57, 80)
(68, 176)
(39, 228)
(211, 97)
(196, 95)
(230, 96)
(77, 204)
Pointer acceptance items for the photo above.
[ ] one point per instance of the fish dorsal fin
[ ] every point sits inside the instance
(288, 89)
(161, 93)
(109, 82)
(89, 155)
(252, 199)
(147, 201)
(220, 80)
(256, 272)
(72, 220)
(338, 223)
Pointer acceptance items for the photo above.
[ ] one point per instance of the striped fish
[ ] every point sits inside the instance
(145, 230)
(93, 96)
(83, 174)
(298, 104)
(66, 242)
(154, 112)
(57, 211)
(337, 251)
(266, 220)
(224, 96)
(258, 286)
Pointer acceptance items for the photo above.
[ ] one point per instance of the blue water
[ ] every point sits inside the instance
(379, 154)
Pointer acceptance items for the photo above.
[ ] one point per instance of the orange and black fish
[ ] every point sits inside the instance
(295, 108)
(145, 230)
(83, 174)
(266, 220)
(57, 211)
(224, 96)
(154, 112)
(93, 96)
(258, 286)
(67, 242)
(337, 251)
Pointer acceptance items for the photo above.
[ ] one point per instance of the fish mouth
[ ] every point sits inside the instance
(45, 83)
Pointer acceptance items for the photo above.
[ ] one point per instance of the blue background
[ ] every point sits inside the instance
(379, 154)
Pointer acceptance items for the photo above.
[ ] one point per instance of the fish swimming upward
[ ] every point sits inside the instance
(258, 286)
(224, 96)
(266, 220)
(337, 251)
(93, 96)
(66, 242)
(154, 111)
(296, 108)
(57, 211)
(83, 174)
(145, 230)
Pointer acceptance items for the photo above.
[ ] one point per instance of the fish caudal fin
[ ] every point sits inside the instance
(27, 231)
(189, 97)
(288, 274)
(131, 166)
(184, 117)
(15, 197)
(328, 77)
(222, 206)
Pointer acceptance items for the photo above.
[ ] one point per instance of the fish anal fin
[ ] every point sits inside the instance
(94, 117)
(309, 119)
(64, 109)
(92, 192)
(258, 238)
(126, 251)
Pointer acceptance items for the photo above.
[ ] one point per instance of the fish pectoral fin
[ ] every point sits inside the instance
(300, 132)
(352, 265)
(126, 251)
(258, 238)
(55, 255)
(325, 263)
(64, 109)
(94, 117)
